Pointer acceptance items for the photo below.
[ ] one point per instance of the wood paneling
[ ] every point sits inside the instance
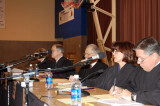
(75, 46)
(12, 50)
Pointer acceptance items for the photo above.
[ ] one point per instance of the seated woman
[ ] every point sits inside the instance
(122, 72)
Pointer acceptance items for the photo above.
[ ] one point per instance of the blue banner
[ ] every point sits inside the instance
(72, 28)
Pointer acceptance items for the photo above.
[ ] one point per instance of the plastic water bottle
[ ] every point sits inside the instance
(31, 69)
(76, 92)
(36, 70)
(49, 83)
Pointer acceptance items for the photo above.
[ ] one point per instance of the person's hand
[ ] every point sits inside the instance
(71, 78)
(126, 94)
(116, 91)
(111, 91)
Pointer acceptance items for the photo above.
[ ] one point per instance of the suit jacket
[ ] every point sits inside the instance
(123, 76)
(86, 70)
(147, 86)
(63, 73)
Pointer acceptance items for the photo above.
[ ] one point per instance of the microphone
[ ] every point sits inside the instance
(44, 52)
(92, 74)
(40, 54)
(100, 55)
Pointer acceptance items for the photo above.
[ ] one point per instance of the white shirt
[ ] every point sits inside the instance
(58, 59)
(93, 64)
(42, 60)
(157, 63)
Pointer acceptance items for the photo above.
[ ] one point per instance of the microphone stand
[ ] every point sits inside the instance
(13, 61)
(9, 66)
(27, 75)
(9, 74)
(90, 75)
(26, 79)
(64, 68)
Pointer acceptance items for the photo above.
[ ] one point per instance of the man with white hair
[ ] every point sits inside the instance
(94, 66)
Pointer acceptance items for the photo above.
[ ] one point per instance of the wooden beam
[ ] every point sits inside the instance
(114, 21)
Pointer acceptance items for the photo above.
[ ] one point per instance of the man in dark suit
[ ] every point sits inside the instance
(61, 61)
(94, 66)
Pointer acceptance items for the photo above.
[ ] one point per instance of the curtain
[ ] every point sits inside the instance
(138, 19)
(135, 19)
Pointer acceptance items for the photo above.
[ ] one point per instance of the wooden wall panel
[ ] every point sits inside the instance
(75, 47)
(12, 50)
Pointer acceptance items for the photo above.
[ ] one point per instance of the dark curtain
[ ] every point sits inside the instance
(135, 20)
(18, 95)
(138, 19)
(3, 97)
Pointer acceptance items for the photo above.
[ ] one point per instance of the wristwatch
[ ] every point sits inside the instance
(132, 96)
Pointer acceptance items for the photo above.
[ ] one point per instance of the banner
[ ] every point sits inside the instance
(66, 15)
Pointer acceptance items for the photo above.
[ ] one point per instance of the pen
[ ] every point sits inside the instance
(114, 84)
(88, 88)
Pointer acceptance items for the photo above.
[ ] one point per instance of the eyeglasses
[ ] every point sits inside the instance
(141, 60)
(54, 50)
(115, 51)
(88, 54)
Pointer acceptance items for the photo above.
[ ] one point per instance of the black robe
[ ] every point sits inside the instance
(86, 70)
(106, 80)
(46, 63)
(63, 73)
(147, 86)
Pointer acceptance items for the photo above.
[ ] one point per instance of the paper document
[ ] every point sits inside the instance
(64, 83)
(83, 100)
(103, 96)
(119, 102)
(92, 98)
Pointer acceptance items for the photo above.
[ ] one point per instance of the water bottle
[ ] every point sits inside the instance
(36, 70)
(30, 69)
(76, 92)
(49, 83)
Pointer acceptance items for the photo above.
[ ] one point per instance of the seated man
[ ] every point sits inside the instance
(95, 65)
(61, 61)
(146, 83)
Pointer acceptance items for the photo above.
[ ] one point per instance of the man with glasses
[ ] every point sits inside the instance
(146, 84)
